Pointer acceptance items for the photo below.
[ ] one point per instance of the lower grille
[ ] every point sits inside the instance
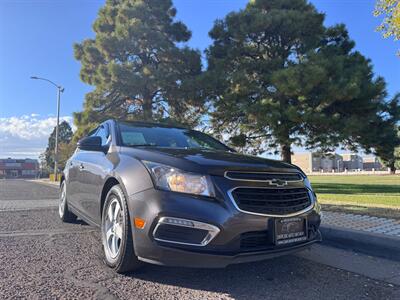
(261, 240)
(276, 201)
(254, 240)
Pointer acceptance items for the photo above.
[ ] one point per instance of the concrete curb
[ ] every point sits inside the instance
(365, 242)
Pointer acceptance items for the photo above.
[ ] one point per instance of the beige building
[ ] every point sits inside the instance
(317, 162)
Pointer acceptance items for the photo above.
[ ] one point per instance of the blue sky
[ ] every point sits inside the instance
(36, 38)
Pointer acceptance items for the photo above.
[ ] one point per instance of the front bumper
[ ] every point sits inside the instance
(183, 258)
(227, 247)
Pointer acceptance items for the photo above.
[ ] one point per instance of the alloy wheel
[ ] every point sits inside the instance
(113, 228)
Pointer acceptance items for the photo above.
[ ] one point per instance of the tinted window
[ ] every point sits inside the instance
(93, 132)
(134, 135)
(103, 133)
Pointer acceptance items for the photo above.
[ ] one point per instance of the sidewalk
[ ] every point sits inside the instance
(363, 223)
(370, 235)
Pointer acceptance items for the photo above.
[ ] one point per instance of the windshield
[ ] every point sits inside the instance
(133, 135)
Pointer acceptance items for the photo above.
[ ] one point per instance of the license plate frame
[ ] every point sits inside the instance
(290, 230)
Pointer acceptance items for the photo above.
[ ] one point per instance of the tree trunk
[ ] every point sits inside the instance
(286, 153)
(147, 110)
(392, 168)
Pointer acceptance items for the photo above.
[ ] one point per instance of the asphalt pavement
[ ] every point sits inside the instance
(42, 258)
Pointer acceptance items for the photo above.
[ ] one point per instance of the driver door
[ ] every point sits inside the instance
(94, 167)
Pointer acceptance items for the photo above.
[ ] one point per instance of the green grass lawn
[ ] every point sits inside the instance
(363, 190)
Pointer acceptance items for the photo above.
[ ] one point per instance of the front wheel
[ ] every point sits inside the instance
(117, 234)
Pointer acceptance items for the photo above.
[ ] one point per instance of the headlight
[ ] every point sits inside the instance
(172, 179)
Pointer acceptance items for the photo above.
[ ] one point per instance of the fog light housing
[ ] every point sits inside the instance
(184, 232)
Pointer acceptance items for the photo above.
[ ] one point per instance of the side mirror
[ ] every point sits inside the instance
(91, 143)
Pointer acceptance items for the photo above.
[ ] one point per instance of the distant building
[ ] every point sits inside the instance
(318, 162)
(306, 161)
(352, 162)
(371, 163)
(18, 168)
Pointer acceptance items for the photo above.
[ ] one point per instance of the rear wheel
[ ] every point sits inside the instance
(117, 234)
(64, 213)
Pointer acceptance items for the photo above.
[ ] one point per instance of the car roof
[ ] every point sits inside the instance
(149, 124)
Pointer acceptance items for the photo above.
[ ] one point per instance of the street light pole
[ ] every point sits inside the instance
(60, 89)
(56, 141)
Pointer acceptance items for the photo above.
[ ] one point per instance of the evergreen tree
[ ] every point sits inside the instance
(382, 135)
(64, 137)
(277, 78)
(139, 65)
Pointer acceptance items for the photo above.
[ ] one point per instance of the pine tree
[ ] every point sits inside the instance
(277, 77)
(139, 65)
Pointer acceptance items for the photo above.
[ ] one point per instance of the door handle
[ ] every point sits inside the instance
(81, 166)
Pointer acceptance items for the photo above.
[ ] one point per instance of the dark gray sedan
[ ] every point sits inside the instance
(178, 197)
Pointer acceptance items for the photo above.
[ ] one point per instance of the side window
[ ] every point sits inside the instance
(93, 132)
(103, 133)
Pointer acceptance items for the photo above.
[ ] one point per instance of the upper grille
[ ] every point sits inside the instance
(276, 201)
(259, 176)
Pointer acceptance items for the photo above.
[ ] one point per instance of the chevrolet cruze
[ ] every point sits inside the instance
(178, 197)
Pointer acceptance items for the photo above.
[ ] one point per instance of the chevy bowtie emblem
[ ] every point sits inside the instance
(277, 182)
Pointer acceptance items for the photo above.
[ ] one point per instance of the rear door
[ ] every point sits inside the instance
(76, 183)
(72, 169)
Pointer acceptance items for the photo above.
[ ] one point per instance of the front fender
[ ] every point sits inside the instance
(132, 175)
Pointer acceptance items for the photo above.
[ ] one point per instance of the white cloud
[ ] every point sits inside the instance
(27, 135)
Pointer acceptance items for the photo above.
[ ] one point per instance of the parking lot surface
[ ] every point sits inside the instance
(42, 258)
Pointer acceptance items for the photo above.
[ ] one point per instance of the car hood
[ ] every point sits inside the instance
(209, 161)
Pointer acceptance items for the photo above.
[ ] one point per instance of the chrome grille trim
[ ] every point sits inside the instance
(259, 180)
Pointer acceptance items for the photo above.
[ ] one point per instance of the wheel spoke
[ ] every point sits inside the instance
(110, 214)
(114, 244)
(117, 209)
(118, 230)
(109, 233)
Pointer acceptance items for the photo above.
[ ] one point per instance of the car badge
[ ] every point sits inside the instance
(278, 182)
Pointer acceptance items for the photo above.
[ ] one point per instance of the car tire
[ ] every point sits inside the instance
(116, 233)
(65, 214)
